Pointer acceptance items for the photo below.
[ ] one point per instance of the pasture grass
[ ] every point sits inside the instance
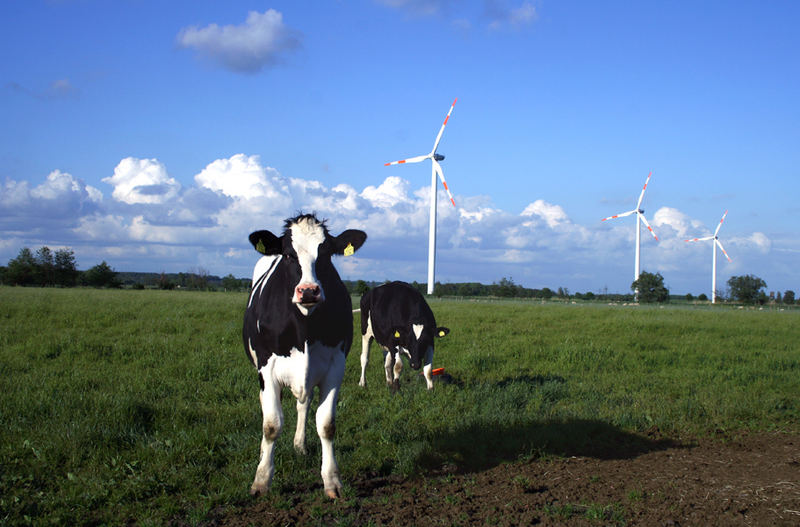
(140, 406)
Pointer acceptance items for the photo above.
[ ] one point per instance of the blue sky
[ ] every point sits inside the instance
(158, 135)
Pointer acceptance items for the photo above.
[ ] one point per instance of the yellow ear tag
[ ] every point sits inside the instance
(441, 333)
(260, 247)
(349, 250)
(397, 334)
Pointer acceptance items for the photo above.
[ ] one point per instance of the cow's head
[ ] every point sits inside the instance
(305, 246)
(416, 341)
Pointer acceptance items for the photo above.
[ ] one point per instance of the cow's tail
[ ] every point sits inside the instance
(365, 301)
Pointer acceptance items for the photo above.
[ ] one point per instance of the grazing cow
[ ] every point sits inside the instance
(398, 318)
(298, 328)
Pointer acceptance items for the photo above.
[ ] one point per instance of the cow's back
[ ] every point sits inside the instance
(391, 305)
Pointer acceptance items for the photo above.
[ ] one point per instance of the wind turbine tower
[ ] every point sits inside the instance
(639, 219)
(436, 169)
(714, 256)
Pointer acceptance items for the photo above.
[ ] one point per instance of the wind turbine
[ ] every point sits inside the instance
(436, 168)
(639, 218)
(714, 256)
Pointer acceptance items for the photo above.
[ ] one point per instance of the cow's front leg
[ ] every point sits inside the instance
(272, 423)
(398, 369)
(427, 367)
(300, 432)
(366, 340)
(388, 365)
(326, 425)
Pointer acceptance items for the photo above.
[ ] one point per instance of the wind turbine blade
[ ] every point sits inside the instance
(723, 250)
(409, 160)
(620, 215)
(720, 223)
(699, 239)
(649, 228)
(438, 168)
(641, 196)
(441, 130)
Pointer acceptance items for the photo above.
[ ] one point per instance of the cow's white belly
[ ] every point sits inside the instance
(302, 370)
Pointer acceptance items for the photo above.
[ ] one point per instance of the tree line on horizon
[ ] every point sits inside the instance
(47, 268)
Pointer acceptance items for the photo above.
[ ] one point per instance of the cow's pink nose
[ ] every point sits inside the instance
(307, 293)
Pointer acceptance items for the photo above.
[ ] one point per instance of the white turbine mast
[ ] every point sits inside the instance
(714, 246)
(436, 169)
(639, 218)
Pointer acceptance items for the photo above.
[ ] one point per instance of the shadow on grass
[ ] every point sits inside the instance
(486, 441)
(479, 447)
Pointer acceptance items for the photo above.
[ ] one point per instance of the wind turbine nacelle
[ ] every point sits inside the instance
(438, 157)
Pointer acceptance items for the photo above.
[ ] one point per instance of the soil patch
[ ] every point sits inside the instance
(752, 479)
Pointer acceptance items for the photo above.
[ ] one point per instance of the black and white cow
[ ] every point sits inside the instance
(398, 318)
(298, 328)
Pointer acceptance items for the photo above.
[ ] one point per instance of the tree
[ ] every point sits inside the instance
(101, 275)
(198, 278)
(164, 282)
(22, 269)
(788, 297)
(231, 283)
(361, 288)
(506, 287)
(689, 297)
(651, 288)
(66, 271)
(45, 266)
(747, 288)
(702, 297)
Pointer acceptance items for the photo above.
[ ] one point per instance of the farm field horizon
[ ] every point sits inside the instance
(125, 406)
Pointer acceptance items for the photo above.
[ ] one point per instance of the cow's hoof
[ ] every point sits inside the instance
(363, 384)
(258, 490)
(395, 385)
(300, 449)
(334, 493)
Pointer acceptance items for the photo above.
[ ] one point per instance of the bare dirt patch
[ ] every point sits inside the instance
(751, 479)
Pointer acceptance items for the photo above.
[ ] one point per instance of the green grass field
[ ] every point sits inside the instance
(140, 405)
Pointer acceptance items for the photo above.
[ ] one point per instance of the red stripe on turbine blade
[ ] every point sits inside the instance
(445, 185)
(453, 202)
(386, 164)
(445, 120)
(400, 162)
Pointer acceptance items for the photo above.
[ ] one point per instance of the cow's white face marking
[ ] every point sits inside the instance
(307, 236)
(417, 330)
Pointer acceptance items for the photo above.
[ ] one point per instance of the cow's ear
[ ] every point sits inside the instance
(442, 331)
(266, 243)
(349, 242)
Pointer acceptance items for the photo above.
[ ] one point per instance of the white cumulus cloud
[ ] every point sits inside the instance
(151, 222)
(679, 222)
(553, 215)
(142, 181)
(56, 203)
(242, 176)
(259, 42)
